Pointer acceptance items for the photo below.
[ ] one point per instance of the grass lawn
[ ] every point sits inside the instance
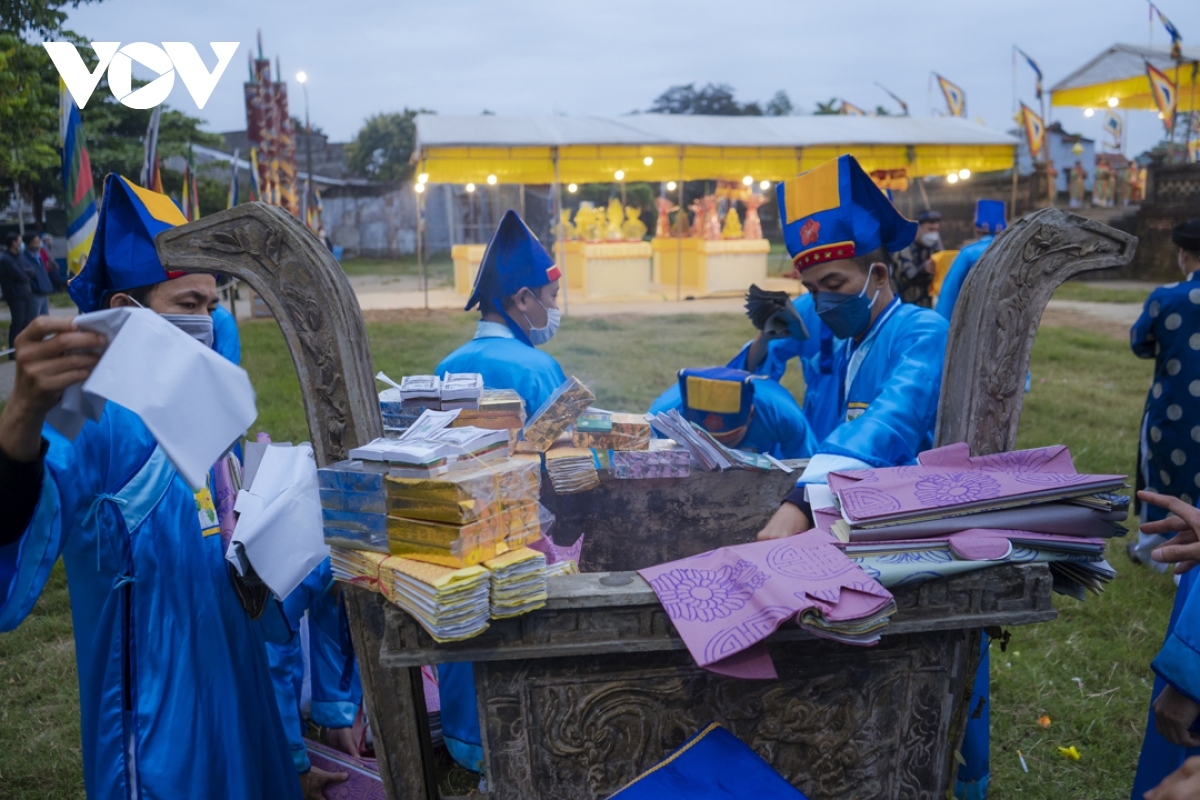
(1087, 392)
(1086, 290)
(439, 265)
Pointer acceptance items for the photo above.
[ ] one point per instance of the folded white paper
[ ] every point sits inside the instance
(279, 523)
(194, 401)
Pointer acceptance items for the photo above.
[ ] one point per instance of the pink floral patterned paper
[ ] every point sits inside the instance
(724, 603)
(948, 478)
(363, 782)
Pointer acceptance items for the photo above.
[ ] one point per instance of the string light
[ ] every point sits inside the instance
(1087, 112)
(418, 188)
(423, 177)
(747, 181)
(572, 188)
(470, 187)
(952, 177)
(619, 174)
(764, 185)
(1113, 102)
(491, 180)
(671, 186)
(964, 173)
(647, 161)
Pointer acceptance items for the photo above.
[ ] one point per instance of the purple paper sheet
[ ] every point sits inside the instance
(363, 782)
(555, 553)
(948, 478)
(724, 603)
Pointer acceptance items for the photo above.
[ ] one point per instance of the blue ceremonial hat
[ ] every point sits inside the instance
(514, 259)
(836, 211)
(718, 399)
(989, 215)
(123, 255)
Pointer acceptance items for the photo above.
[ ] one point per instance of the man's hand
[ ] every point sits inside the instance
(1182, 784)
(1184, 549)
(51, 355)
(342, 739)
(1174, 714)
(929, 266)
(788, 519)
(313, 782)
(757, 352)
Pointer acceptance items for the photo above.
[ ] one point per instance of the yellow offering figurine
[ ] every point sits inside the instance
(588, 222)
(712, 220)
(616, 217)
(633, 230)
(662, 228)
(752, 228)
(566, 231)
(733, 225)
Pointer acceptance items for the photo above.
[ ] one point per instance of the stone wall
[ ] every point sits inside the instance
(1172, 196)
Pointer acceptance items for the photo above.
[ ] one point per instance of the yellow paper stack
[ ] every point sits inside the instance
(462, 519)
(557, 414)
(451, 604)
(518, 582)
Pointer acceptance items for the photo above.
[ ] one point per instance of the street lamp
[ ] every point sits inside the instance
(302, 79)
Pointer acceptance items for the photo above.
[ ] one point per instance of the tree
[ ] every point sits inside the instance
(382, 148)
(715, 98)
(832, 107)
(880, 111)
(36, 16)
(28, 119)
(780, 105)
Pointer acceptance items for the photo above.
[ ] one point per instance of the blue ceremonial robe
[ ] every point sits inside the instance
(957, 276)
(174, 689)
(505, 363)
(226, 340)
(1169, 332)
(1177, 663)
(777, 426)
(336, 690)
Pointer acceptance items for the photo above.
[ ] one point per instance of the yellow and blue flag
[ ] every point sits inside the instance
(1035, 130)
(1165, 96)
(956, 98)
(1172, 31)
(79, 191)
(1032, 65)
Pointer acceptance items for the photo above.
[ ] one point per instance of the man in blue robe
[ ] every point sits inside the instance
(1173, 727)
(744, 411)
(989, 221)
(1168, 331)
(516, 290)
(175, 693)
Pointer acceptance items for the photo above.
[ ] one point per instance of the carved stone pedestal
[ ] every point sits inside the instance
(580, 697)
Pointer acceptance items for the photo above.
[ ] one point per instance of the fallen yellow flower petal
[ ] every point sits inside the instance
(1070, 752)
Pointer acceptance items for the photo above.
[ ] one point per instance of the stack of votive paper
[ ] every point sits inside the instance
(518, 582)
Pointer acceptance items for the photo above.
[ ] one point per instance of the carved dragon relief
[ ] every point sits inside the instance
(997, 316)
(316, 308)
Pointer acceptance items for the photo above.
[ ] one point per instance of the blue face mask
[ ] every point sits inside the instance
(846, 315)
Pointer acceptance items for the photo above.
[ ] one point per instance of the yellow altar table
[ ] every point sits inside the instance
(467, 258)
(710, 266)
(607, 269)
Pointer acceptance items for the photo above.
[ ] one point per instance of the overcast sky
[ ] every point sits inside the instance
(534, 57)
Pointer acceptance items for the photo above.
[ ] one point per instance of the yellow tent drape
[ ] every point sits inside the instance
(1133, 92)
(599, 163)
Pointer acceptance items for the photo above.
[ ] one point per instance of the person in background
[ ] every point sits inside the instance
(1173, 728)
(516, 290)
(1168, 331)
(989, 221)
(46, 255)
(913, 267)
(742, 410)
(174, 688)
(15, 285)
(39, 280)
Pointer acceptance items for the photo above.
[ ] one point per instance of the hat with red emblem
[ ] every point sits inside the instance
(836, 211)
(718, 399)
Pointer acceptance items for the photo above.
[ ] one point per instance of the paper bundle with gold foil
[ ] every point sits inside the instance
(572, 469)
(518, 582)
(500, 409)
(604, 430)
(558, 414)
(463, 545)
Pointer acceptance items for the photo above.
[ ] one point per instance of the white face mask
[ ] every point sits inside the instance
(930, 239)
(539, 336)
(197, 326)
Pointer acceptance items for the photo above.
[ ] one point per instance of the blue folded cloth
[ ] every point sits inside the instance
(712, 765)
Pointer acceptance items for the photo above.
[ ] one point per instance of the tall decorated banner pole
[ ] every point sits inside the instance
(232, 199)
(79, 193)
(150, 154)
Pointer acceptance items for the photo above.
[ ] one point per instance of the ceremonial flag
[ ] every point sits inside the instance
(190, 193)
(79, 193)
(956, 98)
(150, 149)
(1032, 65)
(255, 191)
(1163, 89)
(1172, 31)
(903, 105)
(852, 110)
(1112, 124)
(232, 199)
(1035, 130)
(156, 177)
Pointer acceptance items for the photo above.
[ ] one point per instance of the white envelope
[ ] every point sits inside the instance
(279, 525)
(194, 401)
